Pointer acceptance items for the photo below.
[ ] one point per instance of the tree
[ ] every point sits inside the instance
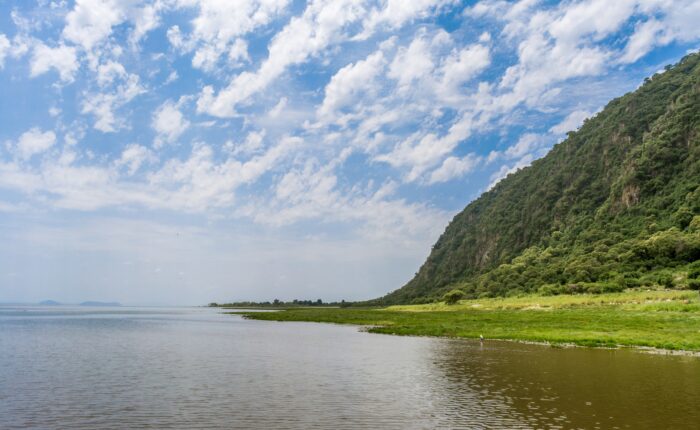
(453, 297)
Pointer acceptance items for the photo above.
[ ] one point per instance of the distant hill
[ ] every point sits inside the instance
(614, 205)
(49, 303)
(98, 304)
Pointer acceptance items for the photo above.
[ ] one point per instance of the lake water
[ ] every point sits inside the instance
(197, 368)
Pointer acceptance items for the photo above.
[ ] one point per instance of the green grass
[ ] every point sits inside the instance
(659, 319)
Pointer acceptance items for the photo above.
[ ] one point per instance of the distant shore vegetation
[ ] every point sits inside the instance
(276, 303)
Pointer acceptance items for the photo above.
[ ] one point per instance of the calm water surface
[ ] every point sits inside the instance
(196, 368)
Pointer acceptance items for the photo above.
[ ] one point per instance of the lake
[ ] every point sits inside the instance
(94, 368)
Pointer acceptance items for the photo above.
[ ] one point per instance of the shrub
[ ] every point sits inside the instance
(453, 296)
(666, 280)
(550, 290)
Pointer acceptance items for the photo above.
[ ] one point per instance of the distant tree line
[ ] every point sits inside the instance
(276, 303)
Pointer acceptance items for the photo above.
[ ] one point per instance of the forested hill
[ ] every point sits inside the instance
(614, 205)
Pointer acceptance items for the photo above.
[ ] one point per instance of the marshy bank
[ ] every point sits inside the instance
(660, 319)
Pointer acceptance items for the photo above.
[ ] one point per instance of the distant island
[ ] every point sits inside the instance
(49, 303)
(101, 304)
(87, 303)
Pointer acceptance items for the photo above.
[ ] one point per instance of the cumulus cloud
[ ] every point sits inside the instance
(91, 21)
(133, 157)
(104, 105)
(571, 122)
(322, 24)
(218, 27)
(314, 30)
(350, 83)
(669, 22)
(108, 72)
(62, 58)
(454, 167)
(34, 141)
(312, 192)
(169, 123)
(252, 144)
(461, 67)
(411, 63)
(424, 150)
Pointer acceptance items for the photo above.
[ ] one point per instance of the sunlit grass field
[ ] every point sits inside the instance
(640, 299)
(668, 319)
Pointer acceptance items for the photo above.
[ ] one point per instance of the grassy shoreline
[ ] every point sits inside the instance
(661, 319)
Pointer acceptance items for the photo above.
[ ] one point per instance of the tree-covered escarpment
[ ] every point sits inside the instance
(615, 205)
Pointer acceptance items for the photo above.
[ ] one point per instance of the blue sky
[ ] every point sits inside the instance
(182, 151)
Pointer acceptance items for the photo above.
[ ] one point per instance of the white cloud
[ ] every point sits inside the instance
(591, 18)
(62, 58)
(525, 145)
(133, 157)
(34, 141)
(4, 49)
(175, 37)
(454, 167)
(108, 72)
(169, 123)
(238, 53)
(350, 83)
(218, 28)
(422, 151)
(461, 67)
(104, 105)
(172, 77)
(196, 184)
(278, 108)
(321, 25)
(529, 146)
(251, 145)
(646, 35)
(506, 170)
(145, 19)
(91, 21)
(396, 13)
(199, 183)
(313, 192)
(571, 122)
(412, 63)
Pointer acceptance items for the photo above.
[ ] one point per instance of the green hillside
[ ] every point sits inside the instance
(615, 205)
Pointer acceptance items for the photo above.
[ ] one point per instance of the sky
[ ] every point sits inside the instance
(179, 152)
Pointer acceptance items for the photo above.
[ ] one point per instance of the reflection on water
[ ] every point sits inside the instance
(574, 388)
(195, 368)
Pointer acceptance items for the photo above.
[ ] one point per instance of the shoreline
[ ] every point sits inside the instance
(368, 329)
(663, 322)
